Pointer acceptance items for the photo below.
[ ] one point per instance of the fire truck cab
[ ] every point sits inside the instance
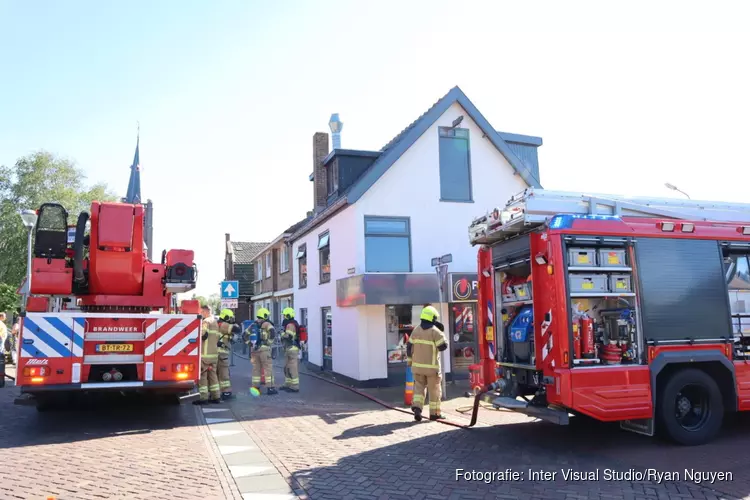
(621, 309)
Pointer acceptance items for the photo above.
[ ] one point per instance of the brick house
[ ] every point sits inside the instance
(273, 283)
(238, 259)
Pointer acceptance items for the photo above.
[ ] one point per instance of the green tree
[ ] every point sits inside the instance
(9, 301)
(35, 179)
(213, 300)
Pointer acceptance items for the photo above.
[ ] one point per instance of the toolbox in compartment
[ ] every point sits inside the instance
(619, 283)
(612, 257)
(588, 283)
(523, 291)
(582, 257)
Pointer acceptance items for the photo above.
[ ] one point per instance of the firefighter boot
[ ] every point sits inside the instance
(417, 413)
(227, 396)
(271, 391)
(201, 402)
(437, 417)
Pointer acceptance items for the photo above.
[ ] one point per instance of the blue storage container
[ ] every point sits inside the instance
(522, 328)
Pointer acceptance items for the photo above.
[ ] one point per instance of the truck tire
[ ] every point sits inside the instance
(690, 408)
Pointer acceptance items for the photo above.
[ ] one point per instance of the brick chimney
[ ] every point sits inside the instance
(320, 151)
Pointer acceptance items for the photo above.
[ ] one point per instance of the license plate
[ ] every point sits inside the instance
(114, 348)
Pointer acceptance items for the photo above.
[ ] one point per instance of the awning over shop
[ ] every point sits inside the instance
(387, 288)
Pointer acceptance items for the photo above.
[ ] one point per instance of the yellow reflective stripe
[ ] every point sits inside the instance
(422, 365)
(210, 356)
(420, 341)
(295, 348)
(440, 342)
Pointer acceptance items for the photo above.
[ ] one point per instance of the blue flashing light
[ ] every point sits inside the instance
(566, 221)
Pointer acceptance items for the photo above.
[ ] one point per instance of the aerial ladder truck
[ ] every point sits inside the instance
(629, 310)
(99, 315)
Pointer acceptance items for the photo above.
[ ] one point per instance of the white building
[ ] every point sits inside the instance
(363, 269)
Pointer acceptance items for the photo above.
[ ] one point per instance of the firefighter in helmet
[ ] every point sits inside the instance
(291, 343)
(227, 331)
(261, 350)
(208, 385)
(426, 342)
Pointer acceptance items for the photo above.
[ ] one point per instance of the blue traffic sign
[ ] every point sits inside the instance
(230, 290)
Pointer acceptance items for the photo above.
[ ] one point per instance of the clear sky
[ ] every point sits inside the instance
(229, 93)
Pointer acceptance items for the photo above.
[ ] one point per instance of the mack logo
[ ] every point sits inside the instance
(36, 362)
(114, 329)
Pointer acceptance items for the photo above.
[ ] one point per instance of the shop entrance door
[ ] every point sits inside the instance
(464, 346)
(327, 338)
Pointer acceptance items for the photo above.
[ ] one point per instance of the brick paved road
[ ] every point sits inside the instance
(337, 446)
(113, 449)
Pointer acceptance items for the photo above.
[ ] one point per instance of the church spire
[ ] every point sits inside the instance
(134, 185)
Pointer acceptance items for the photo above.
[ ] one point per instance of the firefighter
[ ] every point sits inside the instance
(208, 386)
(290, 341)
(227, 330)
(261, 350)
(425, 343)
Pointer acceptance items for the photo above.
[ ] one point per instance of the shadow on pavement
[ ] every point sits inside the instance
(88, 418)
(427, 466)
(373, 430)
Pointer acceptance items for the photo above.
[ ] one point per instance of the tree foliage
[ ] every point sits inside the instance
(9, 301)
(36, 179)
(213, 300)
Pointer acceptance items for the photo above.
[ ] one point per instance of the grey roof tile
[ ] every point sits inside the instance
(246, 251)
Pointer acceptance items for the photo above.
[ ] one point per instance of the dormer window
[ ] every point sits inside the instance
(332, 177)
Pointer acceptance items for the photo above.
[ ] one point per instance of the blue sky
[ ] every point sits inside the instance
(229, 93)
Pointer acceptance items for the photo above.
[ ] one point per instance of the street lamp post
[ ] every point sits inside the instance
(29, 221)
(674, 188)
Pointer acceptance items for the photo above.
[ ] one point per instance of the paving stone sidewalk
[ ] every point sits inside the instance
(330, 443)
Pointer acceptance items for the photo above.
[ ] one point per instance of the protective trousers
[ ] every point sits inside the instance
(291, 369)
(209, 382)
(223, 371)
(262, 361)
(431, 385)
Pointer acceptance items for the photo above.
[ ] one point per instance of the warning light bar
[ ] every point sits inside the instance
(566, 221)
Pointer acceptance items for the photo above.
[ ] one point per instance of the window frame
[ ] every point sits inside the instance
(258, 271)
(269, 264)
(323, 277)
(406, 235)
(460, 134)
(301, 249)
(284, 259)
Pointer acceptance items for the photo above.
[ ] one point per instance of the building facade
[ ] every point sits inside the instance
(362, 264)
(273, 283)
(238, 265)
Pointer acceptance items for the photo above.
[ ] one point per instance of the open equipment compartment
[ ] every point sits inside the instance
(601, 280)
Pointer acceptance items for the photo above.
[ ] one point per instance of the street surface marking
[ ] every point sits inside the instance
(267, 496)
(221, 433)
(228, 450)
(248, 470)
(214, 410)
(218, 420)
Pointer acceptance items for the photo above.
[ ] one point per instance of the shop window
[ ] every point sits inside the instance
(463, 332)
(400, 321)
(324, 253)
(387, 245)
(302, 265)
(455, 167)
(327, 338)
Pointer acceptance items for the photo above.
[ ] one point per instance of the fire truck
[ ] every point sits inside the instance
(99, 316)
(628, 310)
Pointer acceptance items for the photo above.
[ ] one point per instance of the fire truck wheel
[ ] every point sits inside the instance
(690, 407)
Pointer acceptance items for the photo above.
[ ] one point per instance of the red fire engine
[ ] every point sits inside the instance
(622, 309)
(99, 315)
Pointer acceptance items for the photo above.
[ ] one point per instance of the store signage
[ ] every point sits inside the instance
(464, 287)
